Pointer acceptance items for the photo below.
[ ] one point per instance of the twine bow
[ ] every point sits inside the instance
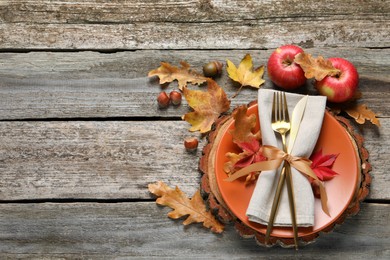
(275, 159)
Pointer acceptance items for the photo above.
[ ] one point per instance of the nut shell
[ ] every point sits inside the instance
(175, 97)
(163, 100)
(191, 144)
(212, 69)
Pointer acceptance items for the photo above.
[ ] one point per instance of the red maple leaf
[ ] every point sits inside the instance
(322, 165)
(253, 153)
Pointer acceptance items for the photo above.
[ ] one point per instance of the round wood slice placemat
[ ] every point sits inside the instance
(219, 208)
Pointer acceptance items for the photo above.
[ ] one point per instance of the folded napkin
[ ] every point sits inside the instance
(259, 208)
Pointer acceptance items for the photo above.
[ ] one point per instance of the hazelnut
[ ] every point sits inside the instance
(191, 144)
(175, 97)
(163, 100)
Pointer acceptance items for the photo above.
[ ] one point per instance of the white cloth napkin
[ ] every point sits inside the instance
(259, 208)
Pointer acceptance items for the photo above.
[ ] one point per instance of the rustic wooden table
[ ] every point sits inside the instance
(79, 144)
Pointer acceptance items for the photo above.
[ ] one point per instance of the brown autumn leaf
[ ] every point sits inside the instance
(249, 142)
(242, 132)
(233, 158)
(193, 208)
(361, 113)
(207, 105)
(184, 75)
(244, 125)
(317, 68)
(245, 74)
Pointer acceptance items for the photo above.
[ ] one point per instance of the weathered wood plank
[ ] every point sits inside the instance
(118, 159)
(89, 12)
(222, 35)
(100, 160)
(91, 84)
(181, 25)
(98, 231)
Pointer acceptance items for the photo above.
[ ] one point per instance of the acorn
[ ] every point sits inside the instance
(212, 69)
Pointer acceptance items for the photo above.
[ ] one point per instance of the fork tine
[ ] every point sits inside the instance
(281, 116)
(286, 116)
(274, 109)
(276, 105)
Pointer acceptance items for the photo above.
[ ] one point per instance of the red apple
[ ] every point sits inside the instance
(282, 70)
(342, 87)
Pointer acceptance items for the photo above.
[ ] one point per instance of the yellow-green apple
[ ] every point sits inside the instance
(341, 87)
(282, 70)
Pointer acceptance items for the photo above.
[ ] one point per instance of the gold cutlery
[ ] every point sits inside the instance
(281, 124)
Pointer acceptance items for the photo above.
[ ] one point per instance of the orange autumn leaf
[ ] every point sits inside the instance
(207, 105)
(361, 113)
(245, 74)
(193, 208)
(245, 137)
(184, 75)
(233, 158)
(317, 68)
(244, 125)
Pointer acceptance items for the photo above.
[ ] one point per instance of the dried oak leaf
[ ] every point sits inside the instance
(168, 73)
(249, 143)
(361, 113)
(244, 74)
(244, 125)
(207, 105)
(317, 68)
(194, 208)
(322, 165)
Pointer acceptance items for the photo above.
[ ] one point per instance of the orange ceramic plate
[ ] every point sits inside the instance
(333, 139)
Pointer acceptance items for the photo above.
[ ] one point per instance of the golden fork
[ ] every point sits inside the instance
(281, 124)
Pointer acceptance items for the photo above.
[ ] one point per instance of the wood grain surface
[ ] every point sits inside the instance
(91, 84)
(81, 135)
(192, 24)
(111, 160)
(126, 230)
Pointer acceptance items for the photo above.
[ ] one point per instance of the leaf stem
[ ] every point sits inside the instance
(238, 91)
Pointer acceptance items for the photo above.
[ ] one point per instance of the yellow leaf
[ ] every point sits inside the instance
(193, 208)
(361, 113)
(168, 73)
(207, 105)
(244, 74)
(317, 68)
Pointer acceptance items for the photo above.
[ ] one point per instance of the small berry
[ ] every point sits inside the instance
(212, 69)
(175, 97)
(191, 144)
(163, 100)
